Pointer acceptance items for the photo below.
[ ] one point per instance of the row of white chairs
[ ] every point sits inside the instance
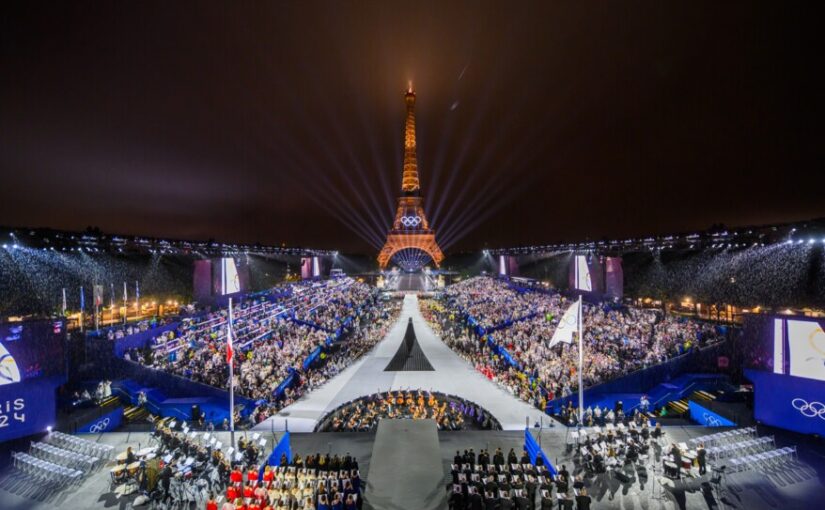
(763, 460)
(743, 447)
(44, 471)
(63, 457)
(726, 437)
(78, 445)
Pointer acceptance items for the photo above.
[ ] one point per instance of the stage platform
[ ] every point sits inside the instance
(451, 375)
(412, 282)
(405, 471)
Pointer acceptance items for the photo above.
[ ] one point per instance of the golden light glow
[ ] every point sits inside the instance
(402, 236)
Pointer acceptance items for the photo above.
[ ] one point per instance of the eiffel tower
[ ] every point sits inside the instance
(410, 231)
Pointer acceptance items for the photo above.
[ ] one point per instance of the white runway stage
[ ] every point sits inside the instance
(452, 375)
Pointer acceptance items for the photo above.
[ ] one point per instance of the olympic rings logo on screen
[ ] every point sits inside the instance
(410, 221)
(711, 421)
(809, 410)
(100, 426)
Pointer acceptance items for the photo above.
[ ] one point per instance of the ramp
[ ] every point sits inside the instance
(405, 467)
(409, 355)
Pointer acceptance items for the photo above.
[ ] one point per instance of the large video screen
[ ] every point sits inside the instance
(27, 408)
(31, 349)
(806, 348)
(583, 280)
(793, 403)
(310, 267)
(230, 280)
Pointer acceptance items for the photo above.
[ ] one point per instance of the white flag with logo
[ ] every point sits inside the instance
(568, 325)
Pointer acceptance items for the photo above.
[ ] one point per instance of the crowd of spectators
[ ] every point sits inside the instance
(120, 331)
(335, 358)
(617, 340)
(272, 338)
(492, 304)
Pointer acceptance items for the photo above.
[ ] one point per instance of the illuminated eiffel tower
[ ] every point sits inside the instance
(411, 233)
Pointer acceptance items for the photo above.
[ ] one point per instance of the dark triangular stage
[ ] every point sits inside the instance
(409, 356)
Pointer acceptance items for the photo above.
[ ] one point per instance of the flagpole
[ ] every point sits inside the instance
(581, 362)
(231, 378)
(125, 303)
(82, 307)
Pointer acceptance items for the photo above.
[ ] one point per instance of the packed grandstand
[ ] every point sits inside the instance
(327, 363)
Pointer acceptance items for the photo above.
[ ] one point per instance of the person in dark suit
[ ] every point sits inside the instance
(505, 503)
(457, 498)
(677, 459)
(490, 485)
(583, 500)
(484, 458)
(476, 501)
(701, 458)
(564, 473)
(566, 503)
(458, 459)
(490, 501)
(511, 457)
(546, 502)
(498, 458)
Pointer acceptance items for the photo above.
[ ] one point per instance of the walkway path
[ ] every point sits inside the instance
(452, 375)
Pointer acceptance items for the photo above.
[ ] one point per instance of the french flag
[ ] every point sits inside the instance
(229, 352)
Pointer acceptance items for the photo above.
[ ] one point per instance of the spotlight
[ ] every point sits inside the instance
(5, 246)
(49, 429)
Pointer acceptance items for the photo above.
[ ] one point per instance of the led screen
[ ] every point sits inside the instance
(230, 281)
(31, 349)
(28, 408)
(806, 349)
(583, 280)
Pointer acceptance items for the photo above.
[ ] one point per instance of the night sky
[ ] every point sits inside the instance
(283, 121)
